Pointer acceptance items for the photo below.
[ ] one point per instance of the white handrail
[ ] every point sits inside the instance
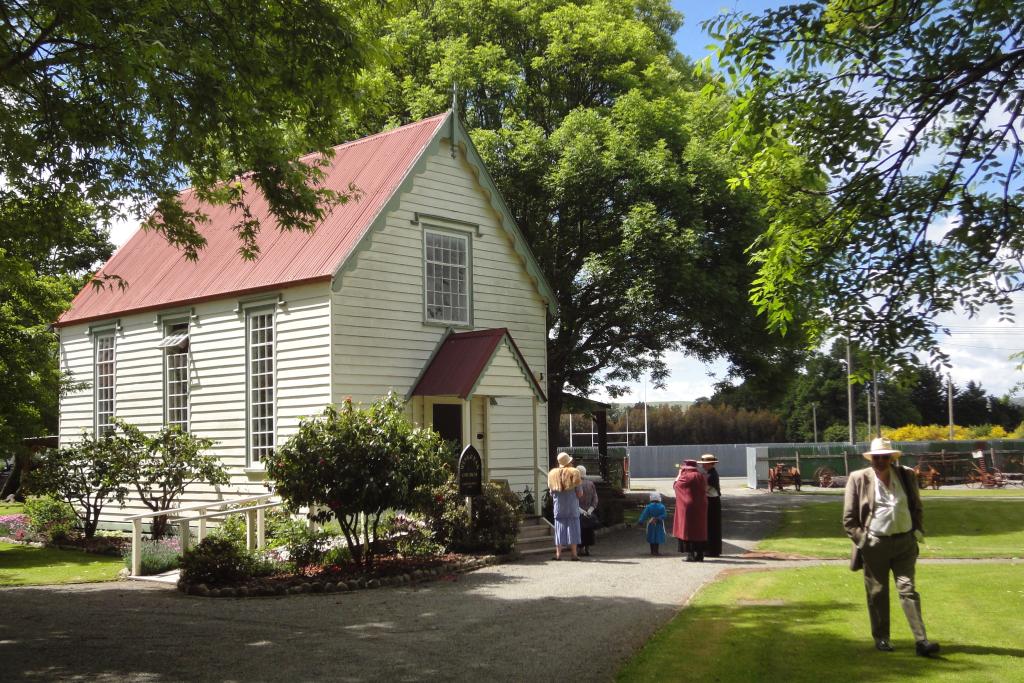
(200, 506)
(255, 522)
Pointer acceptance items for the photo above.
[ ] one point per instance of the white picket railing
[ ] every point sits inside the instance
(253, 507)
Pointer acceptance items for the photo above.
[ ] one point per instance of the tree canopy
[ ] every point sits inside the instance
(118, 104)
(110, 107)
(593, 128)
(913, 108)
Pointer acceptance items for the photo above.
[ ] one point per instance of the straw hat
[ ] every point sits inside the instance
(707, 458)
(881, 446)
(564, 459)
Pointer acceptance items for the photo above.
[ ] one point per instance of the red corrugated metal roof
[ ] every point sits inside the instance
(461, 359)
(159, 276)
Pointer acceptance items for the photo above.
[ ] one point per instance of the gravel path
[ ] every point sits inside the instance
(524, 620)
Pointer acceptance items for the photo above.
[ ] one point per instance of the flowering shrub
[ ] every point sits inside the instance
(413, 536)
(50, 519)
(157, 556)
(15, 526)
(495, 523)
(216, 562)
(354, 465)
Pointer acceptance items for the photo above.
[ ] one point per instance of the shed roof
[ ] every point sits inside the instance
(159, 275)
(461, 360)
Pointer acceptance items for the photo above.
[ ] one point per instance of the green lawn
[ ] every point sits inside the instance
(956, 528)
(22, 565)
(812, 625)
(1007, 492)
(12, 508)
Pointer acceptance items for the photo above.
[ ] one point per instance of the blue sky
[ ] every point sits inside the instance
(978, 347)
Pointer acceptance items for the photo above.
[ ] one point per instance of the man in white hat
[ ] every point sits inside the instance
(882, 515)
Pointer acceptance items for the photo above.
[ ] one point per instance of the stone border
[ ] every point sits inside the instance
(314, 585)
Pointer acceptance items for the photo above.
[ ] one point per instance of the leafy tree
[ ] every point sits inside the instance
(970, 405)
(120, 104)
(592, 127)
(928, 395)
(913, 108)
(84, 475)
(111, 106)
(354, 464)
(40, 270)
(162, 466)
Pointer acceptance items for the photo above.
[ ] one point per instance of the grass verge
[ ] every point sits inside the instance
(812, 625)
(956, 528)
(12, 508)
(1006, 492)
(22, 565)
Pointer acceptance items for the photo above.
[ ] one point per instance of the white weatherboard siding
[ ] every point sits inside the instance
(217, 379)
(381, 338)
(510, 443)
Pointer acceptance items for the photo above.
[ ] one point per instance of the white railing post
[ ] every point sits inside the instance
(183, 535)
(261, 527)
(250, 529)
(202, 524)
(136, 547)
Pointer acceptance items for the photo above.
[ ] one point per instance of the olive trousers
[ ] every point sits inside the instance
(898, 554)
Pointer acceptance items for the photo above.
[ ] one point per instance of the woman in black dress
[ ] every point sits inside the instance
(714, 506)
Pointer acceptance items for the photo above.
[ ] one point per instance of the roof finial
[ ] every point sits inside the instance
(455, 112)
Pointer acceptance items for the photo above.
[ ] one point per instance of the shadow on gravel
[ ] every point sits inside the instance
(453, 631)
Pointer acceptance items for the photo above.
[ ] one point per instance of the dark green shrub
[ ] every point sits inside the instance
(306, 547)
(216, 562)
(280, 526)
(495, 523)
(355, 464)
(50, 519)
(413, 536)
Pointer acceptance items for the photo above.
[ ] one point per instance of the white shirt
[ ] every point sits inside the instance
(892, 509)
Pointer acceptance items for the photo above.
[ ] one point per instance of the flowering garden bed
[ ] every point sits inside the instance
(388, 571)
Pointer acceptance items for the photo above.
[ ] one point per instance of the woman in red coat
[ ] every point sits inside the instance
(690, 525)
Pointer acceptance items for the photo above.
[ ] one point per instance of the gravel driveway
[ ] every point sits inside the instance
(535, 619)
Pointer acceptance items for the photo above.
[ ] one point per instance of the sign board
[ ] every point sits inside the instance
(471, 472)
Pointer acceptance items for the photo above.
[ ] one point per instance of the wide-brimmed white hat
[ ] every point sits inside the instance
(564, 459)
(881, 446)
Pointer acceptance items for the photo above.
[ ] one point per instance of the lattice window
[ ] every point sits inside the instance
(261, 384)
(176, 384)
(104, 382)
(446, 269)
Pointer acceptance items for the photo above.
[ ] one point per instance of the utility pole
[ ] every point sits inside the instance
(878, 410)
(645, 413)
(949, 397)
(867, 396)
(814, 416)
(849, 391)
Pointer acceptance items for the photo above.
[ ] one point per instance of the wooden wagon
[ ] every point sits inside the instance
(782, 475)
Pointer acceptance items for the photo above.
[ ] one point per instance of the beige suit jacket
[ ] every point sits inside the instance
(859, 502)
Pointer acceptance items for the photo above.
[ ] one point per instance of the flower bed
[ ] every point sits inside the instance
(389, 571)
(15, 527)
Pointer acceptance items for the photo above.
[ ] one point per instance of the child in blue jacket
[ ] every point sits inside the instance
(654, 516)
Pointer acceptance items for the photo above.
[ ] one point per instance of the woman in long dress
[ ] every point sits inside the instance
(564, 484)
(690, 524)
(714, 548)
(588, 511)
